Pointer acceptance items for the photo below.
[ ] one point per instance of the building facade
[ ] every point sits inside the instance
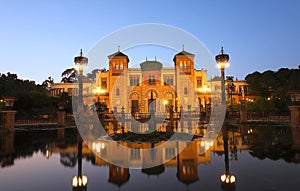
(137, 90)
(151, 85)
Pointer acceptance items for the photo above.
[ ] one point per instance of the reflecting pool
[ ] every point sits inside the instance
(256, 158)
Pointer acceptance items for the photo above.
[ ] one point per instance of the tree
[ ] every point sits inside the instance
(69, 75)
(254, 83)
(48, 82)
(30, 98)
(68, 160)
(276, 87)
(92, 76)
(261, 105)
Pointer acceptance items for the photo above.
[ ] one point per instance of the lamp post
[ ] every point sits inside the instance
(80, 61)
(222, 63)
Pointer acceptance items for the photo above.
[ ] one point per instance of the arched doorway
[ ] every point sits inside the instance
(151, 96)
(134, 102)
(168, 101)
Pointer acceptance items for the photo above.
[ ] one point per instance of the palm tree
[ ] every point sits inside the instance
(69, 75)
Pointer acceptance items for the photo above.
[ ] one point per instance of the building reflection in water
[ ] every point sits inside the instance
(69, 148)
(118, 175)
(229, 142)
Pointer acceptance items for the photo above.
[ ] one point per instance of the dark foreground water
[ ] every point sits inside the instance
(261, 158)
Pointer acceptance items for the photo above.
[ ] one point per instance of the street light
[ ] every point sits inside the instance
(222, 63)
(80, 61)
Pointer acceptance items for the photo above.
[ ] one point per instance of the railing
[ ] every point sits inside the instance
(143, 116)
(35, 122)
(69, 121)
(267, 117)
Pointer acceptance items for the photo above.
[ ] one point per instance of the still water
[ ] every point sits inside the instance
(261, 158)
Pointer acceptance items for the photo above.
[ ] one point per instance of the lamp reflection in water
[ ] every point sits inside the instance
(79, 182)
(48, 152)
(227, 179)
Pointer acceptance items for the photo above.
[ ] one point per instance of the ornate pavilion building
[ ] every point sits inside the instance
(152, 85)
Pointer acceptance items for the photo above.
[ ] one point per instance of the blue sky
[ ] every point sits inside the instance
(40, 38)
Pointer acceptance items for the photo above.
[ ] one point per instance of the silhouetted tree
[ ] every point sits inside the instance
(29, 97)
(48, 82)
(69, 75)
(68, 160)
(275, 86)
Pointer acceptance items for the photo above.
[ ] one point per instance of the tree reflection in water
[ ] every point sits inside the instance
(68, 160)
(261, 141)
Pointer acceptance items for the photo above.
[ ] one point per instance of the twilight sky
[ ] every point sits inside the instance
(40, 38)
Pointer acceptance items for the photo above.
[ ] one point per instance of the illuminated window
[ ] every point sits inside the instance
(199, 82)
(103, 83)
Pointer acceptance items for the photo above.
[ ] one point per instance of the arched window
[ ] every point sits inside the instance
(117, 66)
(185, 91)
(121, 66)
(117, 92)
